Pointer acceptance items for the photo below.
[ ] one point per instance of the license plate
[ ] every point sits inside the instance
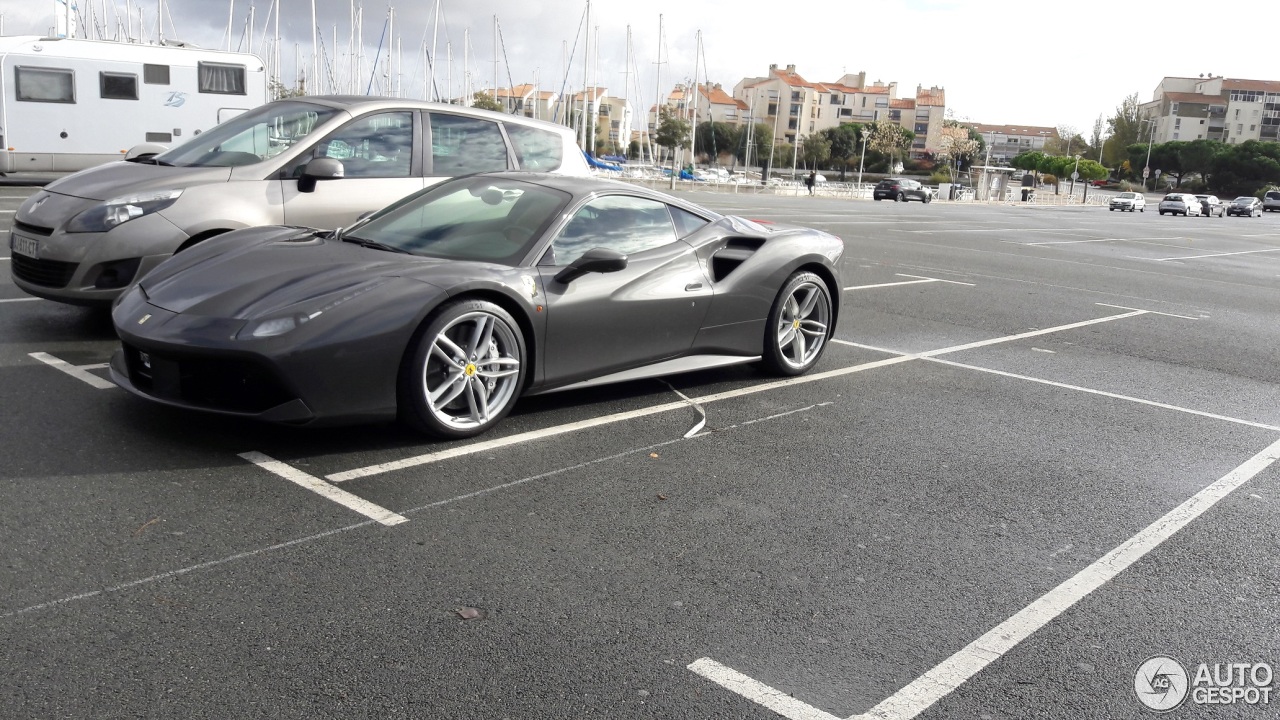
(24, 245)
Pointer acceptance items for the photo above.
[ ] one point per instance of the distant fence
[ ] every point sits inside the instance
(856, 191)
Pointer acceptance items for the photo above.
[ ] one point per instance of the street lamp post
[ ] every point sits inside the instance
(1146, 169)
(863, 132)
(1074, 174)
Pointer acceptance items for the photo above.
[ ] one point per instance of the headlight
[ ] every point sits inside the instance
(113, 212)
(281, 324)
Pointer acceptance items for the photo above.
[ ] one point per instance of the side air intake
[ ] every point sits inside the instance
(734, 253)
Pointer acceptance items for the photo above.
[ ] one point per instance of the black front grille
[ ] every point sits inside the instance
(229, 384)
(32, 229)
(46, 273)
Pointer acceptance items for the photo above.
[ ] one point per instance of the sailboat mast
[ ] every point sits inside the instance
(626, 96)
(435, 32)
(693, 107)
(657, 89)
(231, 18)
(586, 68)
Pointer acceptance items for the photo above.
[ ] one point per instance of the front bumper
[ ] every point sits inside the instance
(84, 268)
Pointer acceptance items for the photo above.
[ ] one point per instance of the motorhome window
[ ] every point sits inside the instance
(155, 74)
(44, 85)
(221, 79)
(536, 149)
(159, 137)
(118, 86)
(249, 138)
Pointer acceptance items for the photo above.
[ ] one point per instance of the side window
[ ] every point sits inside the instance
(536, 149)
(221, 78)
(33, 84)
(155, 74)
(118, 86)
(686, 222)
(623, 223)
(463, 145)
(379, 145)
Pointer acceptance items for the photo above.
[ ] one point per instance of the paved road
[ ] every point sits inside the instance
(1024, 469)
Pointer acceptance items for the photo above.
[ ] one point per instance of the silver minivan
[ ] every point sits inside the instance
(311, 161)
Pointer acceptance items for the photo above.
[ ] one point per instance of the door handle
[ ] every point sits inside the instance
(693, 286)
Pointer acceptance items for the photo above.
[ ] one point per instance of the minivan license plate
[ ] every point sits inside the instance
(24, 245)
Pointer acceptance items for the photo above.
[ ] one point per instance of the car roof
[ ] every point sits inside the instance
(583, 186)
(373, 103)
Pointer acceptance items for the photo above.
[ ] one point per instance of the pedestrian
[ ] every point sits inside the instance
(812, 180)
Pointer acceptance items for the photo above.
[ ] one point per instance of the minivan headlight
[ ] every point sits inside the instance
(116, 211)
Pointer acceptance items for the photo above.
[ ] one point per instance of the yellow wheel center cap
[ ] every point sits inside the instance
(470, 369)
(795, 324)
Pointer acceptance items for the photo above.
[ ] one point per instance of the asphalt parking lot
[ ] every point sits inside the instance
(1039, 453)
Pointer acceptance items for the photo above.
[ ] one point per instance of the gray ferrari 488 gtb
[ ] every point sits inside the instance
(448, 305)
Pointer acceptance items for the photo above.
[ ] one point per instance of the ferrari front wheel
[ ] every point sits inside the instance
(463, 371)
(799, 325)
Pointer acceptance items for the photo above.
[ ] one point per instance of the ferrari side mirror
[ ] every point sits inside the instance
(599, 260)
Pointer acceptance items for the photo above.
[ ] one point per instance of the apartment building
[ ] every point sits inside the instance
(797, 108)
(1229, 110)
(1008, 141)
(529, 101)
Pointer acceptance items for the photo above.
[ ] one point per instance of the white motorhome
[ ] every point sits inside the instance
(69, 104)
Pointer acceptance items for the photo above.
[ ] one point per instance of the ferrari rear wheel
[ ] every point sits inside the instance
(464, 371)
(799, 325)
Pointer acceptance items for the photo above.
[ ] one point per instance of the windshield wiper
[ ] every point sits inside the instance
(362, 242)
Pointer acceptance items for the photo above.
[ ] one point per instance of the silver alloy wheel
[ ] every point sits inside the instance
(803, 325)
(471, 372)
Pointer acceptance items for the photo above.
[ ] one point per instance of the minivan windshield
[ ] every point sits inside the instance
(250, 138)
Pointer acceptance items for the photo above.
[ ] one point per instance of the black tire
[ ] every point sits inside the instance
(899, 198)
(926, 199)
(1142, 210)
(421, 367)
(1112, 209)
(784, 316)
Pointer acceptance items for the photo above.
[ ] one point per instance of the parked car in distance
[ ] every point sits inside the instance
(319, 161)
(445, 307)
(901, 190)
(1211, 205)
(1180, 204)
(1245, 205)
(1271, 201)
(1129, 201)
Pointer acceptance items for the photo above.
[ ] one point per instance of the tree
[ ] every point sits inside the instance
(760, 138)
(714, 139)
(1068, 142)
(1124, 130)
(277, 90)
(1246, 168)
(1029, 160)
(955, 146)
(1198, 157)
(485, 101)
(672, 133)
(1093, 170)
(815, 149)
(890, 138)
(843, 140)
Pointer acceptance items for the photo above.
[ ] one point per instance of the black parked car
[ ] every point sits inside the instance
(1245, 206)
(901, 190)
(1210, 205)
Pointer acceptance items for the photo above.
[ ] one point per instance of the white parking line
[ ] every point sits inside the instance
(316, 485)
(1067, 242)
(76, 371)
(953, 672)
(948, 675)
(1153, 312)
(756, 691)
(464, 450)
(890, 284)
(924, 277)
(1197, 257)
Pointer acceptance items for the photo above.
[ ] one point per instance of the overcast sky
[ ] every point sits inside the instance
(1028, 63)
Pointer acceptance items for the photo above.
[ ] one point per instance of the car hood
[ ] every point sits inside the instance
(261, 271)
(122, 178)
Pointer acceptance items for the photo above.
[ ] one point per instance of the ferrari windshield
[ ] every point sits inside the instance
(249, 138)
(478, 218)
